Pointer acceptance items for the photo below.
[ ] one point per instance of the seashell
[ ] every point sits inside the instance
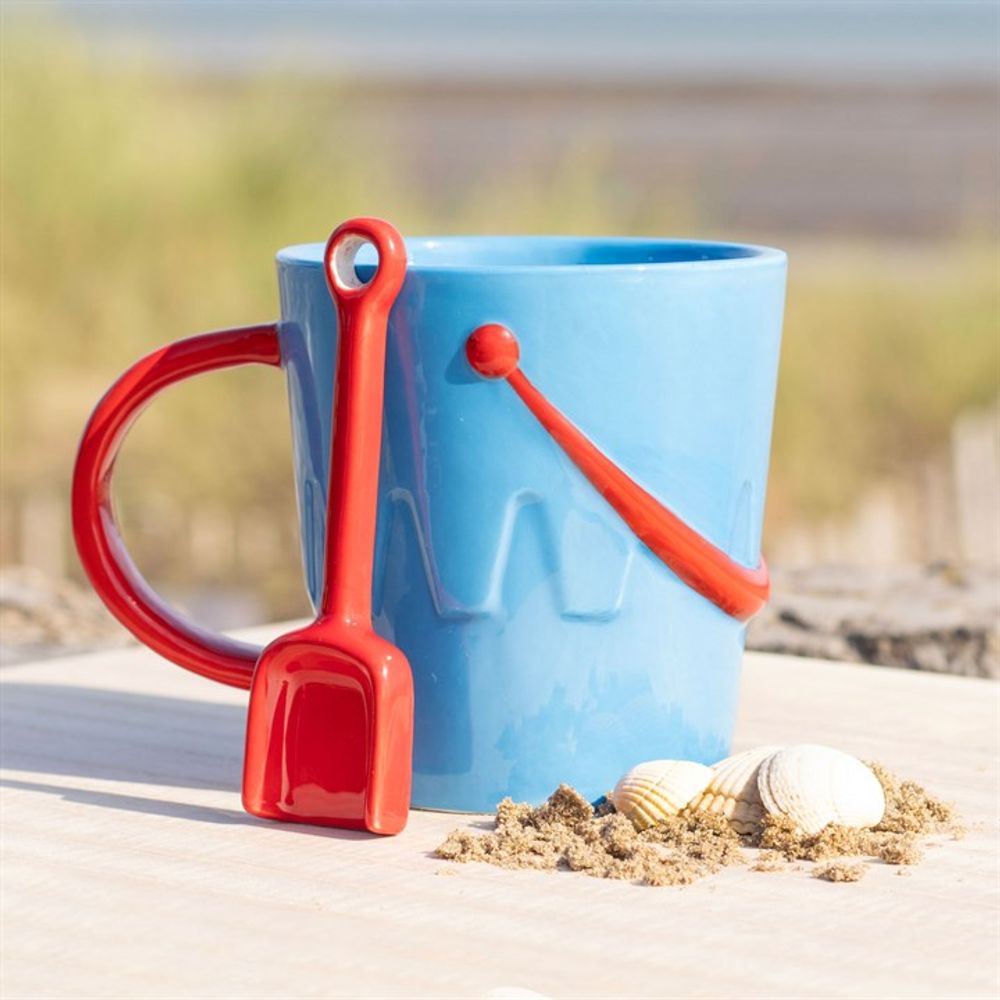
(732, 791)
(815, 785)
(653, 791)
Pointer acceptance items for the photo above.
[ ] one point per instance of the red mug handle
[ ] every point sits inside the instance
(95, 528)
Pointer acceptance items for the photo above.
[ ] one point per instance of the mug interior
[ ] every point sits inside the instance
(530, 253)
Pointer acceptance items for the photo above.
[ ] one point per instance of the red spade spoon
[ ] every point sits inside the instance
(330, 726)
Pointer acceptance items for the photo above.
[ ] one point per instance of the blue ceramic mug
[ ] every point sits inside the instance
(550, 640)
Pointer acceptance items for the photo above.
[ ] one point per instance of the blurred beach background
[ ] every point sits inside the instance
(156, 155)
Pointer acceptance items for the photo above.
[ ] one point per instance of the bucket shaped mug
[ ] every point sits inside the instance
(573, 467)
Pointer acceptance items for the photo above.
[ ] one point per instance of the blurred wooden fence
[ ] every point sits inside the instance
(946, 510)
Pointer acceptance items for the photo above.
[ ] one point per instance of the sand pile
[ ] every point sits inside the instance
(566, 832)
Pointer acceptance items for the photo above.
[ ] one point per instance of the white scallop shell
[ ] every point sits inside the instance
(732, 790)
(815, 785)
(657, 789)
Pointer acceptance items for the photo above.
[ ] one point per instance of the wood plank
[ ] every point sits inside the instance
(129, 868)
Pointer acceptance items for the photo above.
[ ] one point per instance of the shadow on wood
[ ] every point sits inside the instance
(178, 810)
(78, 732)
(149, 739)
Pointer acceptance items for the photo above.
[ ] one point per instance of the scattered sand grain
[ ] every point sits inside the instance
(840, 872)
(769, 861)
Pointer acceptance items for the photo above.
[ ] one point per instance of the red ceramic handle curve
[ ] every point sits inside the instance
(102, 552)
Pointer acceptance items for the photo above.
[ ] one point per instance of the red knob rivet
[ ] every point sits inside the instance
(492, 351)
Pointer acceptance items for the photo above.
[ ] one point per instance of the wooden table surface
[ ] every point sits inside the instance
(129, 869)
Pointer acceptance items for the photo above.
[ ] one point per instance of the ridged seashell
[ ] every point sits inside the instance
(732, 791)
(815, 785)
(657, 789)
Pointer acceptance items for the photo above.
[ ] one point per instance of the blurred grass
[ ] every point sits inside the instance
(879, 356)
(138, 207)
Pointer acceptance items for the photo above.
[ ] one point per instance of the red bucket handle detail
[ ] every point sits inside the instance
(98, 541)
(493, 352)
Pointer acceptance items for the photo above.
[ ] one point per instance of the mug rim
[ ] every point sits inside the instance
(699, 254)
